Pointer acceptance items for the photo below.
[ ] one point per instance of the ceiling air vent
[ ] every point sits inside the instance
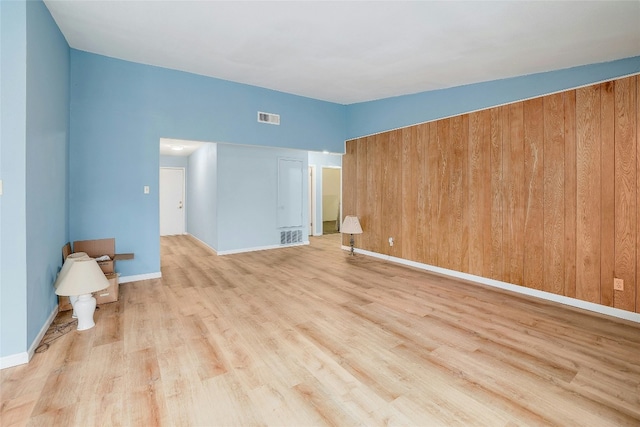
(272, 119)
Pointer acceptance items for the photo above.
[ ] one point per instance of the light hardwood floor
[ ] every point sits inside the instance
(310, 336)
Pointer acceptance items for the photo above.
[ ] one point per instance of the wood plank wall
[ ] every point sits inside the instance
(542, 193)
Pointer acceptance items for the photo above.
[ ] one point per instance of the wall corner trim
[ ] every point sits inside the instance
(572, 302)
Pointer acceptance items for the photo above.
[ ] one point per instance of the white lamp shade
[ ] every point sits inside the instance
(83, 276)
(70, 260)
(351, 225)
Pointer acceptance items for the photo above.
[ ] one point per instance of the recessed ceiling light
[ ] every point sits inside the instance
(177, 148)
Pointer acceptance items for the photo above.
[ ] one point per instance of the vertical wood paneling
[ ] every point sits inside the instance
(479, 201)
(412, 235)
(498, 135)
(588, 200)
(487, 232)
(362, 208)
(349, 175)
(637, 194)
(625, 191)
(458, 225)
(608, 200)
(434, 156)
(464, 197)
(422, 177)
(534, 184)
(375, 158)
(391, 224)
(475, 198)
(541, 193)
(570, 193)
(514, 202)
(444, 182)
(553, 229)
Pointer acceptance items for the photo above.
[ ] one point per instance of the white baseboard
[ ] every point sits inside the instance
(260, 248)
(573, 302)
(243, 250)
(138, 277)
(25, 356)
(42, 332)
(202, 243)
(14, 360)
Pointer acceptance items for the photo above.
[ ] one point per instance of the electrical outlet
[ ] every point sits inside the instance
(146, 189)
(618, 284)
(390, 241)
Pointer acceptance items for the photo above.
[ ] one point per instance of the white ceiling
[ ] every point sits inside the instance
(178, 147)
(349, 52)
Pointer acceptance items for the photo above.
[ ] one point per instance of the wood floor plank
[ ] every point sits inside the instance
(312, 336)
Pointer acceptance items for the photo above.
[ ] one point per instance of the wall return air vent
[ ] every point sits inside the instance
(272, 119)
(290, 236)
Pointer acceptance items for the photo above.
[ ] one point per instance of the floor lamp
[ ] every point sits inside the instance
(351, 226)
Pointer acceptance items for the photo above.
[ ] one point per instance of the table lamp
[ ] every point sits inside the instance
(65, 267)
(79, 279)
(351, 226)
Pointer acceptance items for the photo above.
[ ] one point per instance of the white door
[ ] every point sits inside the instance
(171, 201)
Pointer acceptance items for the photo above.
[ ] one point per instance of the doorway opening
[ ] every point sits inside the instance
(331, 199)
(312, 199)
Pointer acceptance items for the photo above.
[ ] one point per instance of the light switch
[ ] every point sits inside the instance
(146, 189)
(1, 187)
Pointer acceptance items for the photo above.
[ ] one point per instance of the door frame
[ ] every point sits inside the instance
(184, 196)
(312, 199)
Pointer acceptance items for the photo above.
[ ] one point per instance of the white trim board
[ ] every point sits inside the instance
(138, 277)
(261, 248)
(572, 302)
(201, 242)
(25, 356)
(252, 249)
(14, 360)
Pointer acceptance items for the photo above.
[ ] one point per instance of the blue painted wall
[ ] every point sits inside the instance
(34, 122)
(232, 195)
(202, 188)
(247, 195)
(13, 267)
(120, 110)
(46, 167)
(391, 113)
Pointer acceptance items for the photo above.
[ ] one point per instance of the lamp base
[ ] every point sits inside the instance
(72, 300)
(84, 307)
(352, 241)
